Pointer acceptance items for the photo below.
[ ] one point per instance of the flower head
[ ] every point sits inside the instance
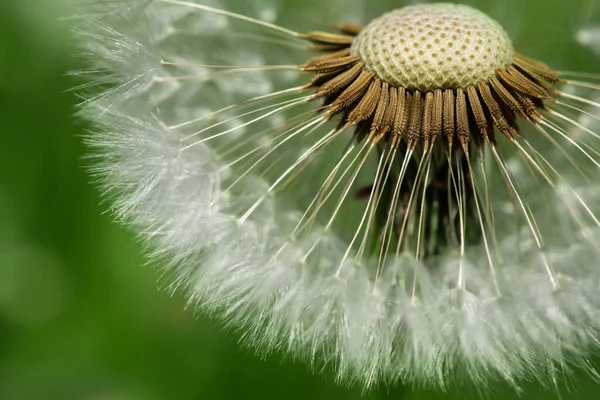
(402, 201)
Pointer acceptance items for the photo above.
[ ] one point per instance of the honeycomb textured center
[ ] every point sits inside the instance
(434, 46)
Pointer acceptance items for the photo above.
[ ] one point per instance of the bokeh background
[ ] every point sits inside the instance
(82, 315)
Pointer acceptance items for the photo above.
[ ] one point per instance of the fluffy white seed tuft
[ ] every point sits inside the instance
(215, 168)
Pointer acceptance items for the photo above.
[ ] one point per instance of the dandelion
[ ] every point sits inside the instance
(411, 200)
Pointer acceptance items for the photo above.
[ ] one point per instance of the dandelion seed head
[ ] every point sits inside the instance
(434, 46)
(396, 229)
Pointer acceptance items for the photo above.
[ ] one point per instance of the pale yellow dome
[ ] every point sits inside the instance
(434, 46)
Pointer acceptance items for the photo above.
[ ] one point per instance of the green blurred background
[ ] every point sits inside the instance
(81, 314)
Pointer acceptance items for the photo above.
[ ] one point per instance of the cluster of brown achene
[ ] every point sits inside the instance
(458, 114)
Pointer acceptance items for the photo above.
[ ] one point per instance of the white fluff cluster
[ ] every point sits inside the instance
(151, 90)
(590, 36)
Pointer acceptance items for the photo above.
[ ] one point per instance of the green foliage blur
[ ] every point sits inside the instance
(82, 315)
